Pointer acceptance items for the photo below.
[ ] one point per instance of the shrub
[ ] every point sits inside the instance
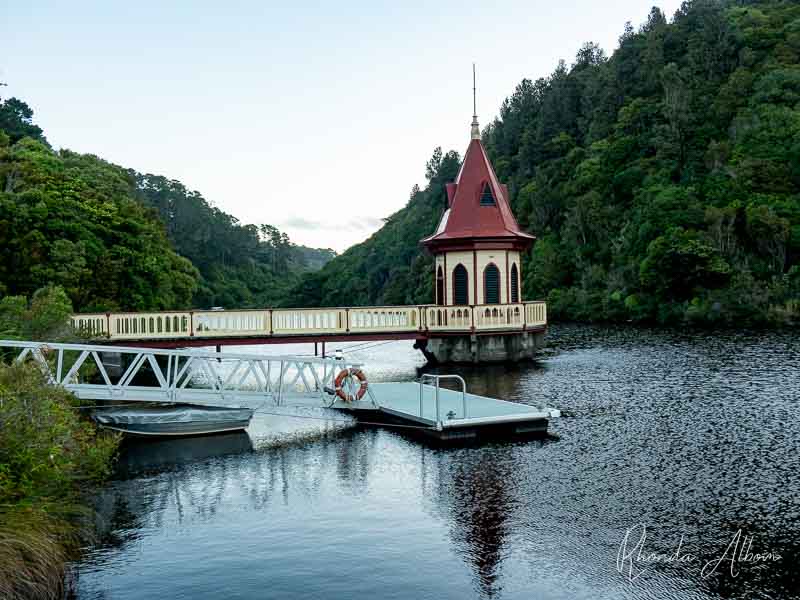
(46, 447)
(47, 454)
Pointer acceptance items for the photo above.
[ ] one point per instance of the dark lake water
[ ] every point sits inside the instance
(691, 438)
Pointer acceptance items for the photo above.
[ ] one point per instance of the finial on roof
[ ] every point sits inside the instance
(476, 129)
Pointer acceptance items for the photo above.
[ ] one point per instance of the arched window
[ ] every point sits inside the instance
(514, 284)
(460, 285)
(487, 197)
(491, 284)
(439, 287)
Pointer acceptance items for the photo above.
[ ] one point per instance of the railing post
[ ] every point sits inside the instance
(191, 323)
(347, 320)
(270, 322)
(437, 402)
(280, 385)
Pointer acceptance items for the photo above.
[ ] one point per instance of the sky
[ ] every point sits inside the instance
(315, 117)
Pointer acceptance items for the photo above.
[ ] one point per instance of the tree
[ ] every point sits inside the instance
(16, 120)
(679, 262)
(45, 317)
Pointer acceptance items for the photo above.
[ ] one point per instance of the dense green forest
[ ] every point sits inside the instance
(117, 239)
(663, 183)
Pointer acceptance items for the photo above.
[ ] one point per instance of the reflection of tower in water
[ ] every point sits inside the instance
(480, 501)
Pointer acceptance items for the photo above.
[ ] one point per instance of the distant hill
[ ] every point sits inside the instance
(663, 183)
(240, 265)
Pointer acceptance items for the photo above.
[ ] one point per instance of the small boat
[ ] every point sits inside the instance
(179, 419)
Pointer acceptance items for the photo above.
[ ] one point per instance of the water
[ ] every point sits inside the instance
(689, 435)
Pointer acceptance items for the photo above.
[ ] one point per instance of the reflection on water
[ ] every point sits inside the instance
(142, 454)
(692, 435)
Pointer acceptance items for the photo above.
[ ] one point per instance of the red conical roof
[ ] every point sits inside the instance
(468, 219)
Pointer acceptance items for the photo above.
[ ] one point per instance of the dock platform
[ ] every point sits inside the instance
(449, 415)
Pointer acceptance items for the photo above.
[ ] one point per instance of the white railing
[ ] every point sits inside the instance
(389, 318)
(135, 326)
(229, 322)
(449, 318)
(535, 314)
(91, 325)
(311, 321)
(499, 316)
(298, 321)
(95, 372)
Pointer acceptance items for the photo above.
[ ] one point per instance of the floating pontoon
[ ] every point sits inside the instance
(445, 414)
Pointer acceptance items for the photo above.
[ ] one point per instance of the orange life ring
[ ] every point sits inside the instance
(358, 374)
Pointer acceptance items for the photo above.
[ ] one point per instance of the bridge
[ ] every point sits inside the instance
(178, 329)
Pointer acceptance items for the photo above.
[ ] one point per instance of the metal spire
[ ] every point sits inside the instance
(476, 129)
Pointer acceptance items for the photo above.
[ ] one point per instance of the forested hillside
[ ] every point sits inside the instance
(663, 183)
(117, 239)
(240, 265)
(71, 220)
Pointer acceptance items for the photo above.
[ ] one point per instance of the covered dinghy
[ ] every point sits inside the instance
(180, 419)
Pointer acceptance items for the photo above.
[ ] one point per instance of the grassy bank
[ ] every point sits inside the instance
(49, 458)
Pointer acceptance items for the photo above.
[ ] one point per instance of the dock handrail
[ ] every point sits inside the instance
(437, 379)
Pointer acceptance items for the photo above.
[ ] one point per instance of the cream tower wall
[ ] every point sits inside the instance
(452, 259)
(503, 259)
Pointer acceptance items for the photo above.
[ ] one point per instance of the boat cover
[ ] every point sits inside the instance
(171, 414)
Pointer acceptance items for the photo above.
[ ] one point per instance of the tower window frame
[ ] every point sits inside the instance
(460, 285)
(514, 283)
(487, 196)
(492, 281)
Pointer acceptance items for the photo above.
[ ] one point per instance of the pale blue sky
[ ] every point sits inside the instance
(314, 117)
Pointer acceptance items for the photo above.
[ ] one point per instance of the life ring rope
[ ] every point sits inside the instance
(362, 388)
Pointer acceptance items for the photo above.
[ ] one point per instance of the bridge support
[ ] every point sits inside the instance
(487, 348)
(422, 346)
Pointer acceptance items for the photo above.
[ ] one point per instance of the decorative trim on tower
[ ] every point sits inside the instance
(476, 129)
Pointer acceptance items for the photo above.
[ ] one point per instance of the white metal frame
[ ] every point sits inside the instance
(192, 376)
